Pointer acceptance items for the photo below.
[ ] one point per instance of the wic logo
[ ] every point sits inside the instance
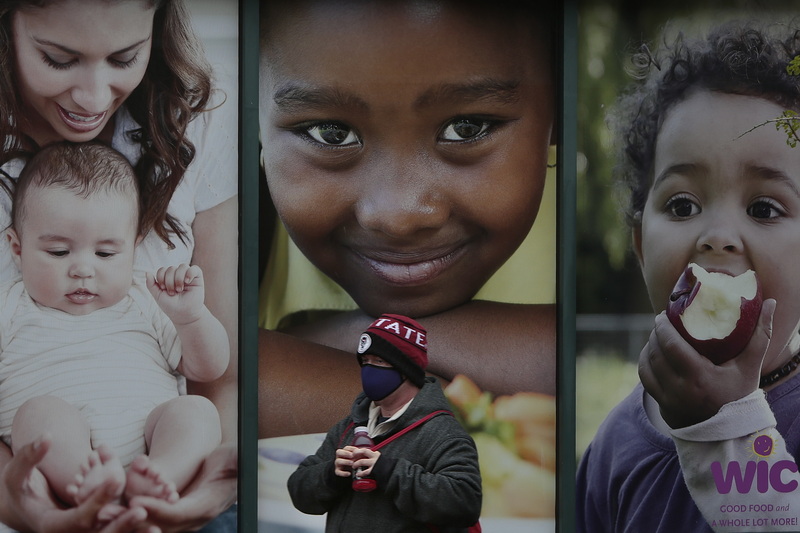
(766, 476)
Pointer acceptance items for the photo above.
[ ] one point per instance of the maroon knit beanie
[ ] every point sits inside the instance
(401, 342)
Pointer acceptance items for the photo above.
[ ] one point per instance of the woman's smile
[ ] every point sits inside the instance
(81, 122)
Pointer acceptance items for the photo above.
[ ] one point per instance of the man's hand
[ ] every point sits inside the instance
(343, 464)
(365, 459)
(351, 458)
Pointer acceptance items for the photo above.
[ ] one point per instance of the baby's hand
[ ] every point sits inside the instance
(688, 387)
(178, 291)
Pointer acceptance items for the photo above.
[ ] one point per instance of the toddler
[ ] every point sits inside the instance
(713, 182)
(737, 446)
(88, 354)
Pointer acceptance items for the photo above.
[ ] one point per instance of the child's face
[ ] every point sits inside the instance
(726, 202)
(405, 144)
(76, 254)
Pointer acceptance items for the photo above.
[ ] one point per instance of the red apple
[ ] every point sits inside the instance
(715, 312)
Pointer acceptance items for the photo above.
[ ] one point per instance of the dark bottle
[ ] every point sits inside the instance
(362, 439)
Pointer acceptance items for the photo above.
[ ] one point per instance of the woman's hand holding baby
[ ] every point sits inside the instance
(688, 387)
(28, 504)
(202, 500)
(31, 506)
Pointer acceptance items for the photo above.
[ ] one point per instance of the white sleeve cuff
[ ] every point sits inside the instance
(735, 419)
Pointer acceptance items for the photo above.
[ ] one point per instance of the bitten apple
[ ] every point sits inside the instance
(715, 312)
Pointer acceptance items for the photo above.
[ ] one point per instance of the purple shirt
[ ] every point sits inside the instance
(630, 480)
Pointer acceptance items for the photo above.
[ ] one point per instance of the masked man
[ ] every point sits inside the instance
(423, 463)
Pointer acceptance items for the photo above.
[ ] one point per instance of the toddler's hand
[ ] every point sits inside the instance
(688, 387)
(178, 291)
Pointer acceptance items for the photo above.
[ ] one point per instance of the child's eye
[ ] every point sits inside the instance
(763, 209)
(58, 253)
(104, 254)
(465, 129)
(681, 207)
(332, 133)
(58, 65)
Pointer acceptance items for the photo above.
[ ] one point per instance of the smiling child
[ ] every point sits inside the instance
(405, 155)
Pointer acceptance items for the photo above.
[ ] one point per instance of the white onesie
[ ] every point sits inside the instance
(115, 364)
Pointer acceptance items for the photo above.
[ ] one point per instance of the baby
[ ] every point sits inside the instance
(88, 354)
(713, 182)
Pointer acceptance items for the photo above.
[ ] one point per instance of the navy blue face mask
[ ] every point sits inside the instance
(379, 382)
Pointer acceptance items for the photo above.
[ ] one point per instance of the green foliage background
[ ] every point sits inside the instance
(608, 278)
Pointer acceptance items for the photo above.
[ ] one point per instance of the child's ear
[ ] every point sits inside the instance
(16, 247)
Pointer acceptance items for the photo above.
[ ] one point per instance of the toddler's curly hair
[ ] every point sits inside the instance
(743, 58)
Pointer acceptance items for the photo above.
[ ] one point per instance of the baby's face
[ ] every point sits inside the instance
(76, 254)
(405, 144)
(728, 199)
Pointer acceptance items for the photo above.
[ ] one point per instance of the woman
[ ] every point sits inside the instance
(138, 83)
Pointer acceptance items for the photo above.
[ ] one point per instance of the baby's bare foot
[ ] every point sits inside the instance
(102, 471)
(145, 480)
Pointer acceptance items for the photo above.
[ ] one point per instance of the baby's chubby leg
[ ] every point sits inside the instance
(179, 434)
(71, 467)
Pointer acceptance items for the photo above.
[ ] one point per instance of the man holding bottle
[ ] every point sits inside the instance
(423, 463)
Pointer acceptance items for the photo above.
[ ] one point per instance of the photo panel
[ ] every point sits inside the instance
(409, 164)
(120, 163)
(685, 158)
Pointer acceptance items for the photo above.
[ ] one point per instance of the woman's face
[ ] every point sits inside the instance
(77, 61)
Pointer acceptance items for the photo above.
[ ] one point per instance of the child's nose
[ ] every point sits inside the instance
(720, 236)
(402, 199)
(81, 269)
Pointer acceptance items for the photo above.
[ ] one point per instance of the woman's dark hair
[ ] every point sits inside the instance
(736, 58)
(176, 87)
